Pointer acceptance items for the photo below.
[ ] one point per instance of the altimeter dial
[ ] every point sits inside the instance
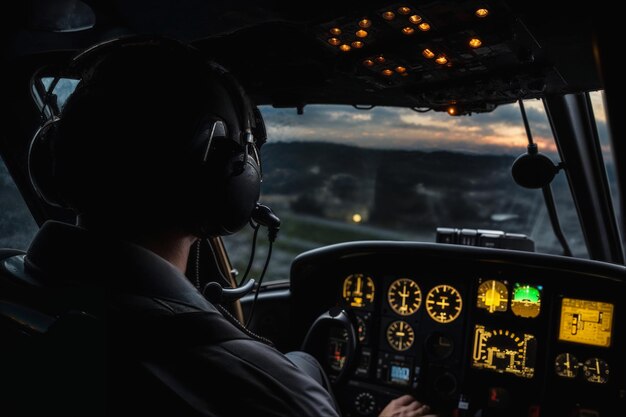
(404, 296)
(400, 335)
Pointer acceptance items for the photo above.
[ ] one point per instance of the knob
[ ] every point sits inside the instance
(365, 403)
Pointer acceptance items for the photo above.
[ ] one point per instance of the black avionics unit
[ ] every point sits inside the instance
(485, 238)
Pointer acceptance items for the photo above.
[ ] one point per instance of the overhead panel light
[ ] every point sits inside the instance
(365, 23)
(368, 63)
(389, 15)
(380, 59)
(408, 30)
(424, 27)
(334, 41)
(345, 48)
(475, 43)
(361, 33)
(335, 31)
(427, 53)
(482, 12)
(387, 72)
(441, 60)
(400, 69)
(415, 19)
(404, 10)
(357, 44)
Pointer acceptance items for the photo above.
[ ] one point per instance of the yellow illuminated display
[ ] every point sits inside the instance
(503, 351)
(404, 296)
(444, 304)
(358, 290)
(586, 322)
(400, 335)
(492, 296)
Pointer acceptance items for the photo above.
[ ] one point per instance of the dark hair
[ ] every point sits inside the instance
(123, 145)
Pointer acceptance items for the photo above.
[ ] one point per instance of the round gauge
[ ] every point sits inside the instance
(492, 296)
(400, 335)
(365, 403)
(358, 290)
(361, 329)
(404, 296)
(596, 370)
(444, 303)
(526, 300)
(566, 365)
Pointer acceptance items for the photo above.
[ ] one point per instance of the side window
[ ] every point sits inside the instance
(597, 100)
(62, 90)
(17, 226)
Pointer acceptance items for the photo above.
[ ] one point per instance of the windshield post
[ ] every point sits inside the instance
(575, 133)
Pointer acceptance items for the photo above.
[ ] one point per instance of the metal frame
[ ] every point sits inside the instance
(575, 132)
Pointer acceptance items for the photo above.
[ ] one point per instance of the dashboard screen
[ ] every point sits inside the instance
(586, 322)
(400, 374)
(504, 351)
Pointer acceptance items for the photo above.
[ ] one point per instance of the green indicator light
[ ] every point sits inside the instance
(526, 293)
(526, 300)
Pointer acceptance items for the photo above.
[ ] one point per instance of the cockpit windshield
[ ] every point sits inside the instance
(337, 174)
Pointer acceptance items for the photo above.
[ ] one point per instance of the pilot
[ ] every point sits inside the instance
(152, 151)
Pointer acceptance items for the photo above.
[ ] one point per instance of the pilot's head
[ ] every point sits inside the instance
(154, 136)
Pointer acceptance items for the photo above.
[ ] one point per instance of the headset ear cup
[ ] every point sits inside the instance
(234, 196)
(41, 163)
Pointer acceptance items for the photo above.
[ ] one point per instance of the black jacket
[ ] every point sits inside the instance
(167, 349)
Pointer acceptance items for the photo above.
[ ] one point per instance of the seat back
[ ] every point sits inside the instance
(46, 352)
(56, 360)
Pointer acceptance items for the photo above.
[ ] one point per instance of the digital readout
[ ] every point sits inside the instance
(586, 322)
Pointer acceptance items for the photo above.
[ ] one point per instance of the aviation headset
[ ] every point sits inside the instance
(228, 184)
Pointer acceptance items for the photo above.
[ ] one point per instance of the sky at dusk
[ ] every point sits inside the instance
(498, 132)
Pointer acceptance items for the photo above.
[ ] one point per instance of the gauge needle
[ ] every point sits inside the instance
(404, 294)
(358, 286)
(567, 364)
(597, 366)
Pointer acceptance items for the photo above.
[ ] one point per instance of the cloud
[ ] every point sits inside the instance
(501, 131)
(398, 128)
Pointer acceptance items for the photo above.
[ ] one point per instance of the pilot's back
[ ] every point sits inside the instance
(138, 338)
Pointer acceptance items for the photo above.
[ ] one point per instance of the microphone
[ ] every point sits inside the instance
(217, 294)
(264, 216)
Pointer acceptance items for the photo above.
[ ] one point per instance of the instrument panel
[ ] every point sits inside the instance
(470, 330)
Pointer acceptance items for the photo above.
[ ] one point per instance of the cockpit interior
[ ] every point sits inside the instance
(449, 177)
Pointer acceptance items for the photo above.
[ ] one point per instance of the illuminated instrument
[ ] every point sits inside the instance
(444, 303)
(586, 322)
(400, 335)
(337, 348)
(526, 300)
(404, 296)
(596, 370)
(358, 290)
(503, 351)
(566, 365)
(492, 296)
